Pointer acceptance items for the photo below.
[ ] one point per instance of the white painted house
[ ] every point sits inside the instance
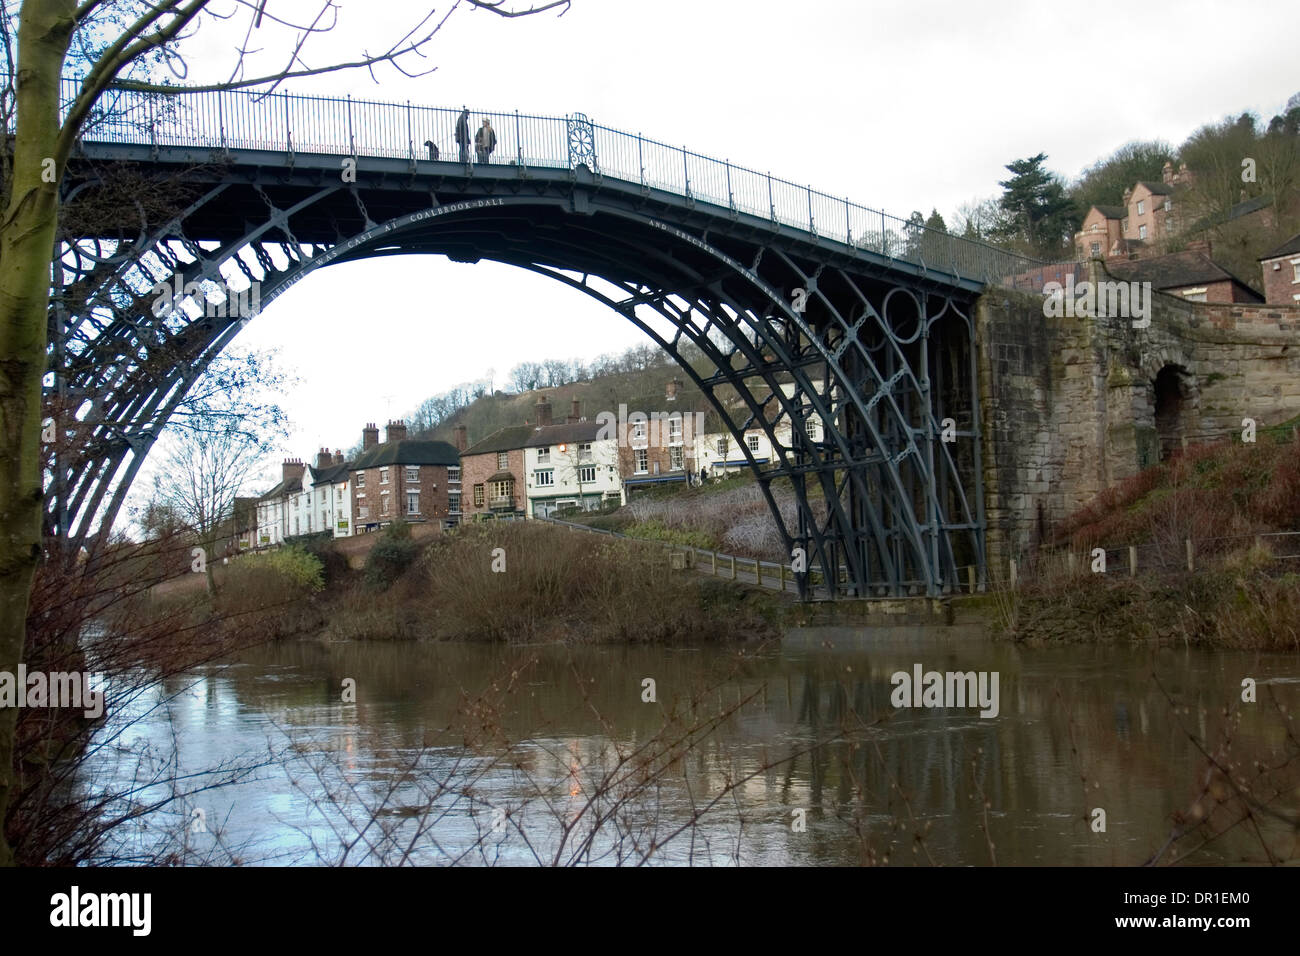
(570, 466)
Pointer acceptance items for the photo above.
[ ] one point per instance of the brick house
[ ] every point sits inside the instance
(573, 464)
(402, 479)
(1102, 234)
(1191, 276)
(492, 472)
(658, 447)
(1281, 273)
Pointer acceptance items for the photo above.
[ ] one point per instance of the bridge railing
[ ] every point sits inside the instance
(348, 126)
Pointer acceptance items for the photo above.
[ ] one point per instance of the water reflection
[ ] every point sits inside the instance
(472, 753)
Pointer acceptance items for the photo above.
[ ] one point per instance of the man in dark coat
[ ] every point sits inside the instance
(485, 140)
(462, 135)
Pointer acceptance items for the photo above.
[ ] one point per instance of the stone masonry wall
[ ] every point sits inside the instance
(1069, 404)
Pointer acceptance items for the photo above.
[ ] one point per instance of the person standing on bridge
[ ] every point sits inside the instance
(485, 140)
(462, 134)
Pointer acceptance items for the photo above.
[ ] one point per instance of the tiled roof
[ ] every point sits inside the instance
(1290, 247)
(286, 487)
(501, 476)
(1111, 212)
(503, 439)
(408, 451)
(563, 433)
(1160, 189)
(1174, 271)
(334, 474)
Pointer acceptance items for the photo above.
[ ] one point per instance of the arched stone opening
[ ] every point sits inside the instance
(1172, 401)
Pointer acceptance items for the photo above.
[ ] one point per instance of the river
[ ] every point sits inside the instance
(787, 753)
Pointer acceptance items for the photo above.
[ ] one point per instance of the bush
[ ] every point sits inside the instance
(391, 555)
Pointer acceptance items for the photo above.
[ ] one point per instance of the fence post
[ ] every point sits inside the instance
(713, 563)
(1132, 560)
(352, 138)
(970, 577)
(1013, 573)
(1191, 563)
(1070, 562)
(686, 172)
(771, 203)
(733, 566)
(758, 571)
(781, 574)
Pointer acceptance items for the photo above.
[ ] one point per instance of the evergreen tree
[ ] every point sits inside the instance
(1039, 213)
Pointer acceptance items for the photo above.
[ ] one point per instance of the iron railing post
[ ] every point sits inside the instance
(771, 202)
(731, 197)
(640, 157)
(410, 135)
(519, 143)
(288, 125)
(221, 120)
(808, 190)
(352, 139)
(848, 225)
(686, 171)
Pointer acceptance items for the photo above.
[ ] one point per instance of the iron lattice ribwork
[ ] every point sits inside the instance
(876, 349)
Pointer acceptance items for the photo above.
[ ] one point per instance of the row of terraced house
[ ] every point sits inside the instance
(536, 469)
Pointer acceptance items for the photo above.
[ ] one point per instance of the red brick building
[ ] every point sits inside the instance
(1191, 276)
(1281, 272)
(403, 479)
(492, 473)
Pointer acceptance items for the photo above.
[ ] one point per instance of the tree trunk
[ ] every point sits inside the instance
(26, 245)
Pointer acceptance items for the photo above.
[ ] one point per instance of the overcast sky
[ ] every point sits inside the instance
(897, 105)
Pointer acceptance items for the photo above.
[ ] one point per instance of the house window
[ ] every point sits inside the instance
(413, 473)
(584, 451)
(503, 460)
(383, 476)
(361, 479)
(502, 489)
(1169, 204)
(638, 431)
(412, 502)
(1096, 248)
(675, 430)
(363, 512)
(478, 496)
(1142, 231)
(1142, 207)
(1295, 267)
(453, 502)
(676, 458)
(1195, 295)
(544, 478)
(338, 493)
(543, 456)
(386, 499)
(453, 475)
(810, 426)
(642, 461)
(723, 446)
(752, 442)
(586, 474)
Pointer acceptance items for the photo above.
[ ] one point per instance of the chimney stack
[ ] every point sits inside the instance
(324, 459)
(462, 439)
(543, 412)
(369, 436)
(291, 468)
(670, 390)
(338, 457)
(575, 413)
(396, 431)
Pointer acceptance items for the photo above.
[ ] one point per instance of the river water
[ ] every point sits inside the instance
(786, 753)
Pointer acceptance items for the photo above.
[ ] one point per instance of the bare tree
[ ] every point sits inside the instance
(106, 42)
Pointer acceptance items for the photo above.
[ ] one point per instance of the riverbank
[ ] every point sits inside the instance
(498, 581)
